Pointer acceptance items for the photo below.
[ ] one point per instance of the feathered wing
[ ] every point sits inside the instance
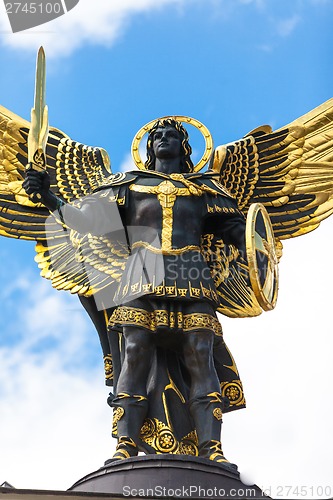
(75, 171)
(81, 264)
(19, 217)
(230, 273)
(289, 171)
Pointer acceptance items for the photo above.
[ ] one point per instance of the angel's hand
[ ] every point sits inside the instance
(37, 183)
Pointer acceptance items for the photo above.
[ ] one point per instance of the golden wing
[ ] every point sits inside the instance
(289, 171)
(230, 273)
(19, 217)
(82, 264)
(77, 264)
(75, 171)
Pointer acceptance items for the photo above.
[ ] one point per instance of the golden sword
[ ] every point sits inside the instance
(38, 132)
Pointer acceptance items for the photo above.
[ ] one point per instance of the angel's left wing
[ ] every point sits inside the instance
(289, 171)
(230, 273)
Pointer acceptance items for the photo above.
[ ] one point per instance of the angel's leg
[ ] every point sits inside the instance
(206, 402)
(131, 402)
(198, 357)
(138, 355)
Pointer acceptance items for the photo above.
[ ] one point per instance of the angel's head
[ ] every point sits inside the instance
(178, 143)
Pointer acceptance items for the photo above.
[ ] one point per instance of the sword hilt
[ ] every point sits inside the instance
(35, 197)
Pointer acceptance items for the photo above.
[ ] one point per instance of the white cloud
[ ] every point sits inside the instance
(287, 26)
(45, 314)
(53, 410)
(101, 23)
(55, 426)
(90, 22)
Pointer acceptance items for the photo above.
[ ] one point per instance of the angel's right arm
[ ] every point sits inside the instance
(81, 219)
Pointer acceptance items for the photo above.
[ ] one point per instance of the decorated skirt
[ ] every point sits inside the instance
(167, 316)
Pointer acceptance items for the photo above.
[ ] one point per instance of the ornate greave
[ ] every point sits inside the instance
(128, 416)
(206, 412)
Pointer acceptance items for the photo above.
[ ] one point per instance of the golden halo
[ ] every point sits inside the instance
(184, 119)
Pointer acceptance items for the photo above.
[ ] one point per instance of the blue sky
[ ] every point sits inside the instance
(112, 67)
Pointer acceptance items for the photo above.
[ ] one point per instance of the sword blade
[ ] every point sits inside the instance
(40, 86)
(34, 142)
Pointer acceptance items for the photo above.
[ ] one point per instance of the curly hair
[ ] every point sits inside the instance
(185, 160)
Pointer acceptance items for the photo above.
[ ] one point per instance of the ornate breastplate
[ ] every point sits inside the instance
(167, 194)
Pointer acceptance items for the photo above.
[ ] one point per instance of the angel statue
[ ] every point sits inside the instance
(153, 254)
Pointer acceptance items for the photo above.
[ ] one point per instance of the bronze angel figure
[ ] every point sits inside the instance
(153, 281)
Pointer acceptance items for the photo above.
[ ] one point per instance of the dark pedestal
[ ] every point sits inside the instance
(176, 476)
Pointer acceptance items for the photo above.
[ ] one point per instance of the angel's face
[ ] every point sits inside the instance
(167, 143)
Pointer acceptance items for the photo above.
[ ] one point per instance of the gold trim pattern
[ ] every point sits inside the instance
(125, 315)
(174, 251)
(123, 454)
(108, 367)
(118, 412)
(126, 448)
(217, 455)
(189, 445)
(123, 395)
(160, 437)
(217, 412)
(170, 291)
(217, 398)
(225, 210)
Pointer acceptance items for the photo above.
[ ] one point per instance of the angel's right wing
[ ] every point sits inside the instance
(81, 264)
(75, 171)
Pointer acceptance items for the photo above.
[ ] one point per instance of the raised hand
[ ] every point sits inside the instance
(36, 184)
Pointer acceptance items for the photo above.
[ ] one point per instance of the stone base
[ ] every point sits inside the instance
(178, 476)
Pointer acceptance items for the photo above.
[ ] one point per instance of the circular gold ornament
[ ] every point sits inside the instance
(233, 392)
(261, 256)
(148, 429)
(180, 118)
(217, 412)
(166, 442)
